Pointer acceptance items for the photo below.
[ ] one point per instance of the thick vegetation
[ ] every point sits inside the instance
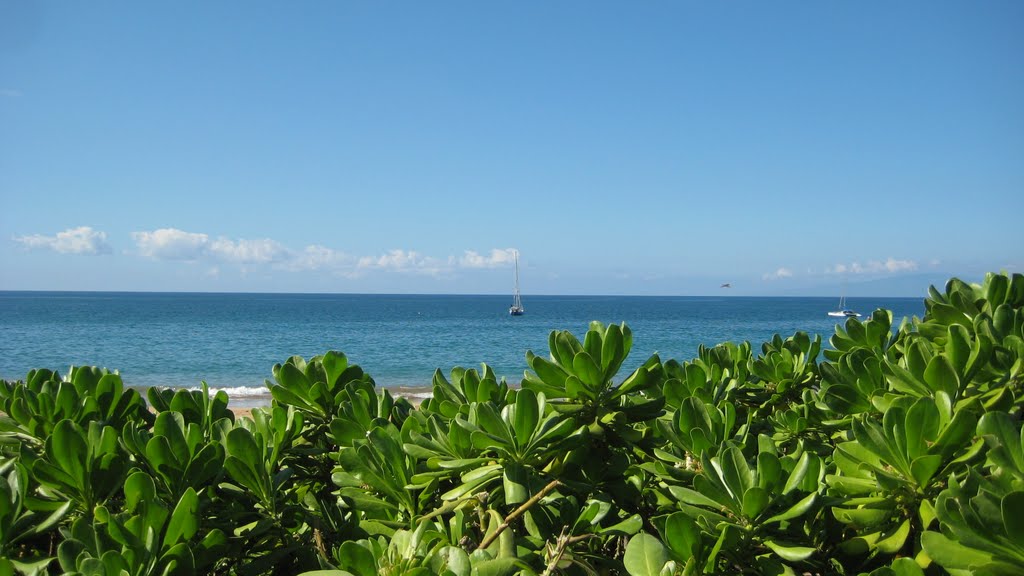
(897, 451)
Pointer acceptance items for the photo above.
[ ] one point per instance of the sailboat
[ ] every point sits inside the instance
(516, 309)
(843, 311)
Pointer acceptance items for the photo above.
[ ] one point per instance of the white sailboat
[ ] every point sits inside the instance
(516, 309)
(843, 311)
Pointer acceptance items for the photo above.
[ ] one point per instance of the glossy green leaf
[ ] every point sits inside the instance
(627, 527)
(70, 451)
(894, 541)
(682, 535)
(755, 500)
(806, 504)
(184, 522)
(950, 554)
(358, 559)
(789, 552)
(940, 375)
(528, 408)
(587, 370)
(612, 351)
(645, 555)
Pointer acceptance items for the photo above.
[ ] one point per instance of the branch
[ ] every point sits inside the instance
(518, 512)
(563, 543)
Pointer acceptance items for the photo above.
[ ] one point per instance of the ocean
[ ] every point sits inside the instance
(231, 341)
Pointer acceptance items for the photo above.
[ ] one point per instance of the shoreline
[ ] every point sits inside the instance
(244, 408)
(244, 400)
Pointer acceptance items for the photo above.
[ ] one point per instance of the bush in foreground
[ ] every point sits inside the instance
(899, 450)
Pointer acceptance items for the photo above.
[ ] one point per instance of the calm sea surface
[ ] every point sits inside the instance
(231, 341)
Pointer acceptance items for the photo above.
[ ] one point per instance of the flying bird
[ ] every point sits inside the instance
(726, 285)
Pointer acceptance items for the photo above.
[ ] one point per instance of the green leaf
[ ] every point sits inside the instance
(950, 554)
(796, 510)
(498, 567)
(612, 351)
(138, 487)
(515, 479)
(70, 451)
(493, 424)
(861, 517)
(682, 535)
(184, 520)
(588, 371)
(335, 364)
(627, 527)
(921, 427)
(549, 373)
(788, 552)
(645, 555)
(451, 560)
(807, 466)
(906, 567)
(527, 414)
(1005, 440)
(735, 472)
(895, 541)
(242, 445)
(755, 500)
(940, 375)
(1012, 508)
(358, 559)
(924, 468)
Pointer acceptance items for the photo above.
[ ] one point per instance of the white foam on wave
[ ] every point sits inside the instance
(239, 391)
(420, 395)
(258, 392)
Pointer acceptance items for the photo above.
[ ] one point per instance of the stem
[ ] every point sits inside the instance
(563, 543)
(518, 512)
(449, 507)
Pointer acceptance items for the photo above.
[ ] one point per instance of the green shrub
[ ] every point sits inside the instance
(898, 450)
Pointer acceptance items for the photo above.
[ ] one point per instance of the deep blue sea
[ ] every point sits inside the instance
(231, 341)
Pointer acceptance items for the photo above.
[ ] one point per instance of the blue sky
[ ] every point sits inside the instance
(622, 148)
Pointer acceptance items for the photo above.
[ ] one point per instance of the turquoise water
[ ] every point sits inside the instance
(231, 341)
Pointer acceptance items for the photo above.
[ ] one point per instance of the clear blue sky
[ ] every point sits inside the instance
(622, 148)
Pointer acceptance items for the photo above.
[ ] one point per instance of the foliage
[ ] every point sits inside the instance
(895, 450)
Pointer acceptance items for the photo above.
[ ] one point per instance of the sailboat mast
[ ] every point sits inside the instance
(517, 305)
(517, 301)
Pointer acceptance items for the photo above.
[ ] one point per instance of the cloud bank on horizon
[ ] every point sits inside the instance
(173, 245)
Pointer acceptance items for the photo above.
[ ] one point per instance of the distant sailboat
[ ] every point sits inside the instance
(516, 309)
(843, 311)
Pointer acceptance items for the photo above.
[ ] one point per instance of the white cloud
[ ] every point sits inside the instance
(873, 267)
(81, 240)
(405, 262)
(179, 245)
(248, 251)
(171, 244)
(174, 244)
(893, 265)
(778, 274)
(497, 258)
(316, 257)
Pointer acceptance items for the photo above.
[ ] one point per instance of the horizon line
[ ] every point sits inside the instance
(481, 294)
